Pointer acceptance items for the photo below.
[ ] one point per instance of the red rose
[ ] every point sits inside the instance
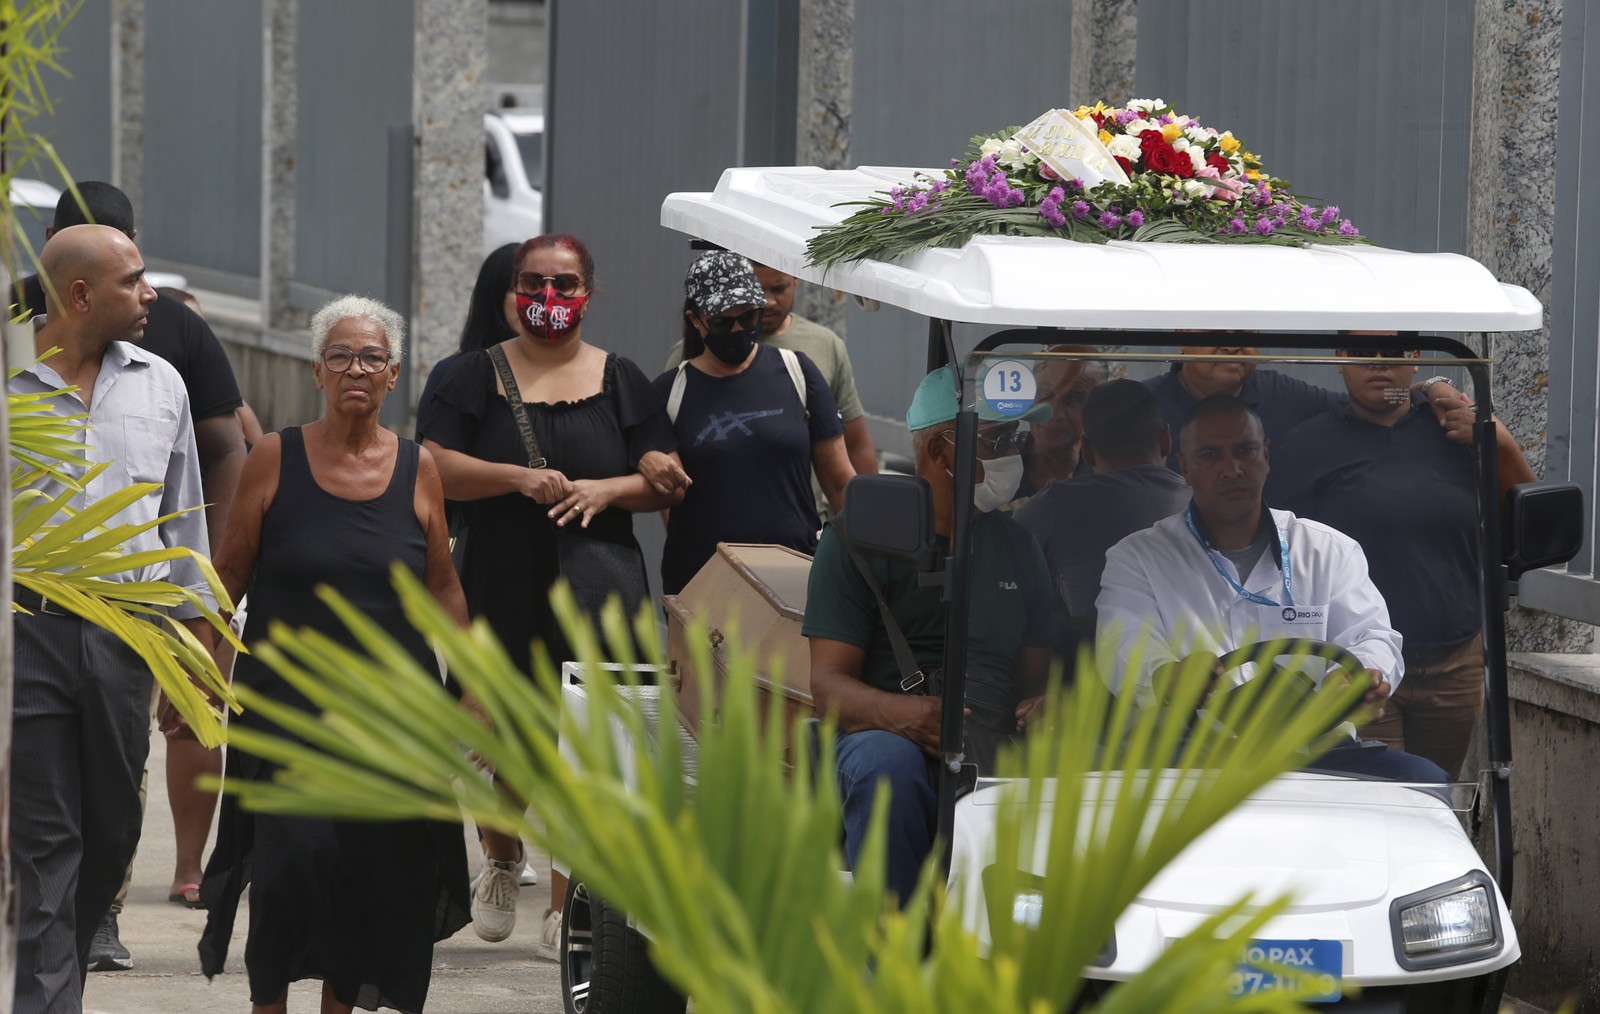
(1149, 141)
(1127, 166)
(1168, 162)
(1219, 162)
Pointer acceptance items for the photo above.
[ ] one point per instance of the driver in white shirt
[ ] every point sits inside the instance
(1228, 571)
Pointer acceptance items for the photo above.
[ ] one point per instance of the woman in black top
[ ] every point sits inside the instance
(491, 319)
(1386, 472)
(338, 501)
(751, 422)
(564, 511)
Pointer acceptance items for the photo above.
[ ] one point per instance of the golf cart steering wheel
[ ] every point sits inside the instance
(1266, 654)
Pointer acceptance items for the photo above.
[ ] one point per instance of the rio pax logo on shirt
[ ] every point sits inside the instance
(1293, 615)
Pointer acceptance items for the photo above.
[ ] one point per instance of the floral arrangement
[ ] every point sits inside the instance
(1142, 172)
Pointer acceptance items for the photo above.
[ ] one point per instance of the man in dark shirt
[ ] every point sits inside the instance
(181, 337)
(886, 733)
(1126, 442)
(1281, 401)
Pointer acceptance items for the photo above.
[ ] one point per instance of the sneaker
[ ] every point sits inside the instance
(550, 932)
(494, 899)
(106, 953)
(530, 876)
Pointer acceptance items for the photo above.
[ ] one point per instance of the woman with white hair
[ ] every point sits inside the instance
(338, 501)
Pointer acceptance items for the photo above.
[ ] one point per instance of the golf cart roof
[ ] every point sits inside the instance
(769, 214)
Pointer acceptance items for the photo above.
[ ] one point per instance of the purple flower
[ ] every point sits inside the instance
(1237, 226)
(1051, 212)
(1164, 119)
(1346, 228)
(1080, 209)
(1109, 219)
(1330, 214)
(1075, 183)
(1135, 218)
(1308, 219)
(940, 186)
(1056, 195)
(1017, 197)
(1264, 226)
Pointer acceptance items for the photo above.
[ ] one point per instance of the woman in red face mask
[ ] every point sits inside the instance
(540, 438)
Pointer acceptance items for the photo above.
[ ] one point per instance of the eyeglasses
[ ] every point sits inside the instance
(530, 282)
(997, 445)
(1380, 353)
(744, 322)
(338, 359)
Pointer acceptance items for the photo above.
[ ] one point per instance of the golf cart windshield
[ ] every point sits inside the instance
(1129, 302)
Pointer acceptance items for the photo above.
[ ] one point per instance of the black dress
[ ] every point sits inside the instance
(514, 552)
(356, 904)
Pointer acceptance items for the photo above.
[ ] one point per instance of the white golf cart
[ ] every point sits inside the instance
(1391, 899)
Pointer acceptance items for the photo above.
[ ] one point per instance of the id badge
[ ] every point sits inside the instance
(1294, 621)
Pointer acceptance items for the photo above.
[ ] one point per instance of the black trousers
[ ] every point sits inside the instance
(80, 736)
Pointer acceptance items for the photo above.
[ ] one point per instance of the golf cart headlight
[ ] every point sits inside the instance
(1448, 924)
(1025, 909)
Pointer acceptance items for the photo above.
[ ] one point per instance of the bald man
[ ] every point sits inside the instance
(79, 724)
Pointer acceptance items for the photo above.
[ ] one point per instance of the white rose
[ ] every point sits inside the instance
(1010, 153)
(1198, 135)
(1137, 127)
(1125, 146)
(1180, 145)
(1197, 157)
(989, 146)
(1139, 104)
(1182, 121)
(1194, 189)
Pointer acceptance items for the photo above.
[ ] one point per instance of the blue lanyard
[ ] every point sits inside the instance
(1249, 596)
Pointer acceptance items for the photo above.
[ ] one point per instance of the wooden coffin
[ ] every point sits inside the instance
(756, 593)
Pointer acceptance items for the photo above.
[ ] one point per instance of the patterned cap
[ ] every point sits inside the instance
(721, 279)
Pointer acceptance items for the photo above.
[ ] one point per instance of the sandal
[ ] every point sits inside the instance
(188, 896)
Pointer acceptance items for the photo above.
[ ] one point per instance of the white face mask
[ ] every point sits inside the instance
(1001, 479)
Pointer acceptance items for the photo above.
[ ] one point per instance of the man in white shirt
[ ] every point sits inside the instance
(81, 697)
(1228, 572)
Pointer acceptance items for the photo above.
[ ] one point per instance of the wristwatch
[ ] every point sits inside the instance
(1426, 385)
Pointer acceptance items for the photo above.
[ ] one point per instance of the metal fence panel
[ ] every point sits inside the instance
(1574, 387)
(202, 154)
(80, 128)
(355, 81)
(926, 80)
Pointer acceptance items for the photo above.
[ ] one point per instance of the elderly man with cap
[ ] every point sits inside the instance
(889, 726)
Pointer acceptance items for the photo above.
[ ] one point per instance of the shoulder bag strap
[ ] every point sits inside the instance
(508, 380)
(911, 675)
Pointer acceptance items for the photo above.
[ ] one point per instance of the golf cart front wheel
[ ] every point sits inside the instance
(605, 964)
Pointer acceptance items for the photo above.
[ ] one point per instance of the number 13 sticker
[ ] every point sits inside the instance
(1009, 387)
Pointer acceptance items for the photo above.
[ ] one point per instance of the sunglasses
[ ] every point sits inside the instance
(529, 282)
(338, 359)
(744, 322)
(1380, 353)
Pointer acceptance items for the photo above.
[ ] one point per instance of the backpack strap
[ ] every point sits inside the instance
(791, 362)
(675, 396)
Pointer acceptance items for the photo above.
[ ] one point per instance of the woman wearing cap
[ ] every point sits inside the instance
(751, 422)
(550, 486)
(1386, 472)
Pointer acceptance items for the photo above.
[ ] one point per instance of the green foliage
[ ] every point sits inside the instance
(731, 865)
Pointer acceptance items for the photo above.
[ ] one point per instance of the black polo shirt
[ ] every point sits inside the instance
(1407, 494)
(1281, 401)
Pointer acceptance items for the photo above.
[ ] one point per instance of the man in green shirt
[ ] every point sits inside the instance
(785, 329)
(887, 733)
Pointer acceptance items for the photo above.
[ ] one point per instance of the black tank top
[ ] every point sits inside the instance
(309, 537)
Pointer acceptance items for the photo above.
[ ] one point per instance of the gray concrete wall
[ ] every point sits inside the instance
(1555, 738)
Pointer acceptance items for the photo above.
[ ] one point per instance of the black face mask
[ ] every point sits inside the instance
(732, 347)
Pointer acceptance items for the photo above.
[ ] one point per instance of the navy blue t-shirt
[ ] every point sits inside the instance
(1281, 401)
(746, 442)
(1408, 494)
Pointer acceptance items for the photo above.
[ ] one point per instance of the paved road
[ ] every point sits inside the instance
(469, 976)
